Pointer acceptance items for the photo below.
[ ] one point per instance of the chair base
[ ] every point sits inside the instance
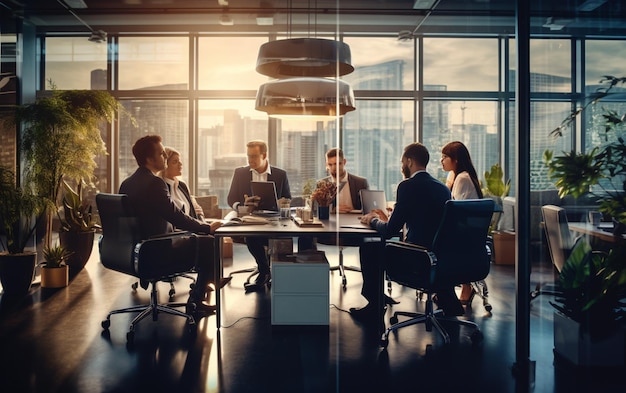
(342, 269)
(430, 318)
(480, 288)
(144, 310)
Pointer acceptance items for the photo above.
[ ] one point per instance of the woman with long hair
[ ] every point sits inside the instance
(464, 184)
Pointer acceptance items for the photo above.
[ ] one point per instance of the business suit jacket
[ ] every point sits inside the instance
(150, 198)
(419, 203)
(356, 183)
(240, 184)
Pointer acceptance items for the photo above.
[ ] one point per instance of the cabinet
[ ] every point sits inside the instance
(300, 286)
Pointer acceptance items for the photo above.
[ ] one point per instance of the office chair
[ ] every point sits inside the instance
(560, 243)
(457, 255)
(122, 250)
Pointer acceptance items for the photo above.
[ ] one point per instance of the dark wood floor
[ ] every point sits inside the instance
(51, 341)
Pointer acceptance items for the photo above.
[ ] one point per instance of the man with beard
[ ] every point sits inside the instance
(419, 205)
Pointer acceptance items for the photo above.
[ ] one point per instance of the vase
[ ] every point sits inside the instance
(80, 244)
(323, 212)
(55, 277)
(16, 273)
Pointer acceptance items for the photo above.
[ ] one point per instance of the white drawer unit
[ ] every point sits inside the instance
(300, 290)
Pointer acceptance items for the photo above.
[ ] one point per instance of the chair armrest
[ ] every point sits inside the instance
(170, 235)
(409, 264)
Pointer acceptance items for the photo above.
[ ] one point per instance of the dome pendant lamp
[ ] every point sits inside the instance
(297, 57)
(318, 97)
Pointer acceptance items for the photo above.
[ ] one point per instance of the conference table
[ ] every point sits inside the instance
(585, 228)
(344, 226)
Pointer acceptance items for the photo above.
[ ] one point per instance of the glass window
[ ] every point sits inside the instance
(75, 63)
(160, 63)
(381, 63)
(222, 68)
(461, 64)
(224, 128)
(167, 118)
(374, 137)
(544, 118)
(603, 58)
(550, 66)
(471, 122)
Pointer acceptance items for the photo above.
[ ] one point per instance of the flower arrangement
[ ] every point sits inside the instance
(324, 192)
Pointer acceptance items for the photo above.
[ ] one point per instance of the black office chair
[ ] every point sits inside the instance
(457, 255)
(122, 250)
(560, 243)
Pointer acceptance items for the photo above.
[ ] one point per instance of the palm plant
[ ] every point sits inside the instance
(61, 138)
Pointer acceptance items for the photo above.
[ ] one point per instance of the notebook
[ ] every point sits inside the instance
(267, 191)
(373, 199)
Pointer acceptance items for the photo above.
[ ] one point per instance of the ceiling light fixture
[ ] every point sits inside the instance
(304, 57)
(300, 65)
(305, 97)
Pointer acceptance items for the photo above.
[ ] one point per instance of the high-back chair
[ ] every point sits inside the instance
(122, 250)
(457, 255)
(560, 243)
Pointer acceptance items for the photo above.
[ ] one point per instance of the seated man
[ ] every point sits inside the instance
(258, 169)
(419, 205)
(349, 185)
(157, 214)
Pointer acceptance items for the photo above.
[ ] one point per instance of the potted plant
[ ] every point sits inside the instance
(78, 226)
(19, 212)
(595, 285)
(501, 242)
(60, 139)
(54, 269)
(323, 195)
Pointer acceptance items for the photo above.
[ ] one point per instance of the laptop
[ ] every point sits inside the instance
(267, 191)
(373, 199)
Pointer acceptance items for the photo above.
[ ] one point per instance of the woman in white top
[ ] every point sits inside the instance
(179, 192)
(463, 183)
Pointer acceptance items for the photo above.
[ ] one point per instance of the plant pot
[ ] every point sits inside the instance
(323, 212)
(577, 347)
(16, 272)
(55, 277)
(80, 244)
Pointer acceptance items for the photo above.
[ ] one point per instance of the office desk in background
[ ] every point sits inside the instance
(585, 228)
(345, 226)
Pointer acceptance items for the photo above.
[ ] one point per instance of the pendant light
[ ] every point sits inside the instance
(305, 97)
(304, 57)
(299, 66)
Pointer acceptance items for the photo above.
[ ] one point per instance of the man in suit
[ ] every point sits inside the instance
(157, 214)
(258, 169)
(419, 205)
(348, 185)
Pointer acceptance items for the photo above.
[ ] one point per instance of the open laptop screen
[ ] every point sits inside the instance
(373, 199)
(267, 191)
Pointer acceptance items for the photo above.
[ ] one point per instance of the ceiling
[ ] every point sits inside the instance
(563, 17)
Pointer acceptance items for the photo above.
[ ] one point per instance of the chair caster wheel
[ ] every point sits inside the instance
(393, 320)
(135, 286)
(172, 292)
(105, 324)
(488, 307)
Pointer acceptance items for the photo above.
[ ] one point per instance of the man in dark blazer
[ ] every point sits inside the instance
(348, 185)
(258, 169)
(157, 214)
(419, 205)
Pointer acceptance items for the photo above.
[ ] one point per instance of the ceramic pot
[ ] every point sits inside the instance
(323, 212)
(55, 277)
(80, 244)
(16, 272)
